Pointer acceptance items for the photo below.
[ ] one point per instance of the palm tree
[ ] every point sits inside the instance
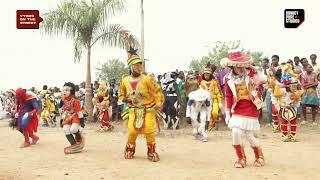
(87, 22)
(142, 35)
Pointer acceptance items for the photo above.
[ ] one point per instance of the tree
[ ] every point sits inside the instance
(196, 65)
(257, 57)
(219, 51)
(87, 22)
(112, 69)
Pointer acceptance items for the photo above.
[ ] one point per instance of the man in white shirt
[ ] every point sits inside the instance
(315, 65)
(267, 95)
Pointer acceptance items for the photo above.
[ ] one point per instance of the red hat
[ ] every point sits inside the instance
(238, 59)
(213, 67)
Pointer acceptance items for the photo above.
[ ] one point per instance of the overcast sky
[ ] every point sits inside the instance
(175, 32)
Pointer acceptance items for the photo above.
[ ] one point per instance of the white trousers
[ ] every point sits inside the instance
(199, 128)
(71, 129)
(237, 137)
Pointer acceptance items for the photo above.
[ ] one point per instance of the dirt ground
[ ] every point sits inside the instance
(182, 157)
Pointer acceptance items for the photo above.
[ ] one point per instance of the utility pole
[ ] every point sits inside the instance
(142, 36)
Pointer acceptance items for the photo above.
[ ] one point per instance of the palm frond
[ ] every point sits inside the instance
(86, 22)
(62, 20)
(106, 9)
(112, 8)
(113, 35)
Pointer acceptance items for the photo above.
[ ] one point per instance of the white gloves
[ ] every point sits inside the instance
(47, 114)
(94, 110)
(110, 112)
(258, 102)
(25, 116)
(63, 116)
(227, 118)
(221, 107)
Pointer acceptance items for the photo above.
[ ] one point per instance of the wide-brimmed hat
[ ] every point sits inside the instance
(236, 59)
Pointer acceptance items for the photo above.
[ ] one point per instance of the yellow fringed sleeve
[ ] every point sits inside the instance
(155, 91)
(203, 85)
(277, 91)
(122, 90)
(298, 95)
(148, 91)
(94, 101)
(217, 90)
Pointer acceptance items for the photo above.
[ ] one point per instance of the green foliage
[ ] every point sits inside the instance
(257, 57)
(112, 69)
(220, 51)
(196, 65)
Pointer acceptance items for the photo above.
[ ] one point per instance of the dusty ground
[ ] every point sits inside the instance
(182, 157)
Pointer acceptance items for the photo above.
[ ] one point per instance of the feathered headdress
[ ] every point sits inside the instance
(133, 57)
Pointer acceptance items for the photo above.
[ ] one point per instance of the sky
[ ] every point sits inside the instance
(175, 32)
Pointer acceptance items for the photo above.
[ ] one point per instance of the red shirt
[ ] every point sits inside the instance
(71, 107)
(241, 107)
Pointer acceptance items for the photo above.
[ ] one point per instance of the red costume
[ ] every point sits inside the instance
(71, 107)
(102, 107)
(243, 103)
(27, 108)
(72, 120)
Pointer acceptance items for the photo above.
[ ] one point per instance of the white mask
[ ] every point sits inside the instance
(66, 91)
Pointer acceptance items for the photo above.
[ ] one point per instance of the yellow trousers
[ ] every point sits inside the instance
(149, 129)
(43, 115)
(215, 111)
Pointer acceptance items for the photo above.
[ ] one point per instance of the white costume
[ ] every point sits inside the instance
(199, 102)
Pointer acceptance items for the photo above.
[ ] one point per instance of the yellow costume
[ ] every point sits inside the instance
(144, 98)
(216, 96)
(286, 98)
(48, 106)
(101, 107)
